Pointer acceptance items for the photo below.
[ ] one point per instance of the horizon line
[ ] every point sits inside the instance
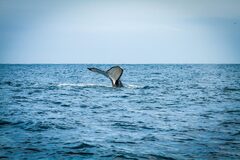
(120, 63)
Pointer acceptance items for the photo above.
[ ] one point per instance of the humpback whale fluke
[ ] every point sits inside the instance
(114, 74)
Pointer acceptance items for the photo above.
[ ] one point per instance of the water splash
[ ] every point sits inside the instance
(82, 85)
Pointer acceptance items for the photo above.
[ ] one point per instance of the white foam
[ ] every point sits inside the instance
(81, 85)
(132, 86)
(129, 86)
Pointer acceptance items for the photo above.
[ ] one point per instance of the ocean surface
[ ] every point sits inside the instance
(163, 112)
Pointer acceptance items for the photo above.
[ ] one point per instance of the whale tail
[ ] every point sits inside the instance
(114, 74)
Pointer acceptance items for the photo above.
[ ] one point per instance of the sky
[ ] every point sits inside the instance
(119, 31)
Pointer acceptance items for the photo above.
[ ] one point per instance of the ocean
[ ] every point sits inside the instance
(61, 111)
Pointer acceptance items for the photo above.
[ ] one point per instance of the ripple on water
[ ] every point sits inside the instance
(155, 156)
(122, 141)
(12, 84)
(17, 90)
(82, 149)
(166, 112)
(4, 157)
(9, 83)
(124, 156)
(150, 87)
(33, 149)
(229, 89)
(56, 102)
(83, 85)
(36, 91)
(82, 146)
(19, 97)
(149, 138)
(65, 105)
(124, 125)
(83, 106)
(45, 126)
(4, 123)
(80, 153)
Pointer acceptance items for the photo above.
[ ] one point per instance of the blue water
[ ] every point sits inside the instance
(163, 112)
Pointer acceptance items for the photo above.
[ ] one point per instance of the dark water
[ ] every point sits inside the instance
(163, 112)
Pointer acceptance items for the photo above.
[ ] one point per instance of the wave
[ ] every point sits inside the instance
(229, 89)
(3, 123)
(133, 86)
(82, 85)
(92, 85)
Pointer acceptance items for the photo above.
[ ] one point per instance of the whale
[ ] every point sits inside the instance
(114, 74)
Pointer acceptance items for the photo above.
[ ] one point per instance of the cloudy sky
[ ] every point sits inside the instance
(123, 31)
